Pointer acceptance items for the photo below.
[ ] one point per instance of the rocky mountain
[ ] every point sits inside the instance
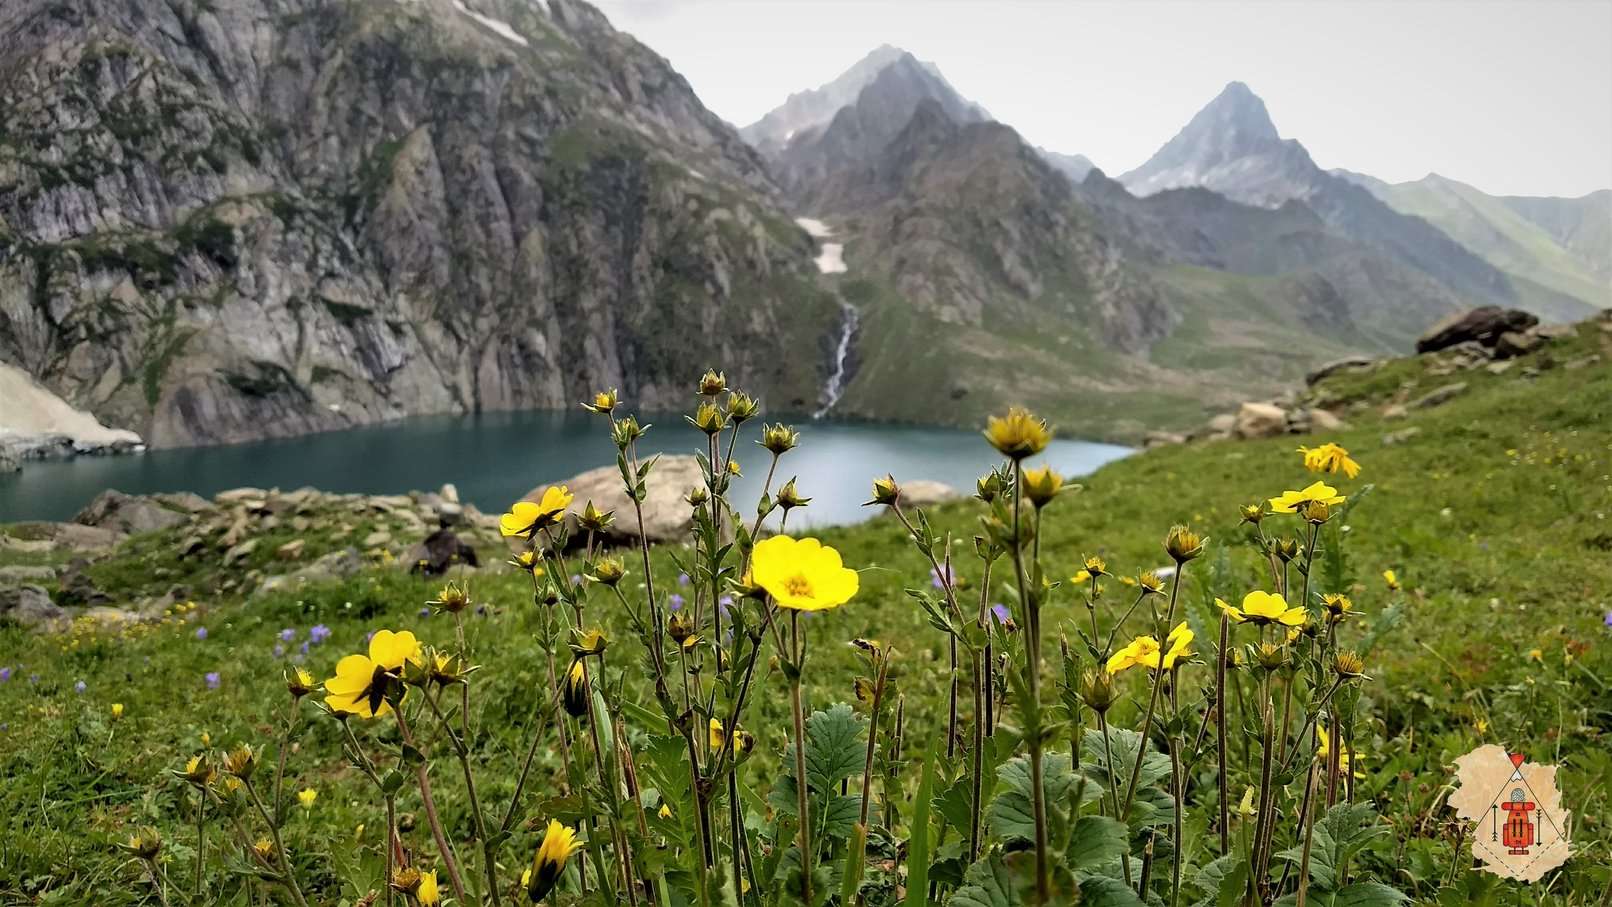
(1232, 147)
(1559, 245)
(1073, 166)
(810, 163)
(815, 107)
(226, 219)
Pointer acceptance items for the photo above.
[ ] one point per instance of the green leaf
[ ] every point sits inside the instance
(1344, 831)
(1126, 743)
(918, 845)
(1223, 881)
(987, 883)
(851, 874)
(1096, 840)
(834, 747)
(1102, 891)
(1010, 814)
(955, 807)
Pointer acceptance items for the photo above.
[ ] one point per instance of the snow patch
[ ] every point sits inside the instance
(831, 259)
(816, 228)
(497, 26)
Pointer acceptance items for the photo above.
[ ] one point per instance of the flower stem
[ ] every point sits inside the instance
(1032, 674)
(804, 838)
(423, 779)
(279, 845)
(1220, 730)
(201, 840)
(1113, 787)
(462, 753)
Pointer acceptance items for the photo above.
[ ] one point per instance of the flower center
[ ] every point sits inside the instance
(799, 586)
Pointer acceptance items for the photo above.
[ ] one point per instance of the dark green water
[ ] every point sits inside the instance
(495, 458)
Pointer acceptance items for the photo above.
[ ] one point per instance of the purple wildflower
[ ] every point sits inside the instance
(674, 601)
(201, 632)
(1003, 615)
(304, 649)
(424, 612)
(939, 580)
(5, 674)
(279, 650)
(80, 687)
(33, 678)
(288, 634)
(213, 680)
(318, 633)
(1609, 618)
(682, 579)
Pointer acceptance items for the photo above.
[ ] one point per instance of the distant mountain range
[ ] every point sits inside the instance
(381, 208)
(1224, 265)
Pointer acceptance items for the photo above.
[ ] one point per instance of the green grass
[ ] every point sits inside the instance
(1497, 517)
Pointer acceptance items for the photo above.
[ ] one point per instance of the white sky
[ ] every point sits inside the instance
(1513, 97)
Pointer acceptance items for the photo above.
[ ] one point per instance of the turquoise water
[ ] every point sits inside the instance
(495, 458)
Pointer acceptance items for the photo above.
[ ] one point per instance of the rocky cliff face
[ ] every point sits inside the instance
(230, 219)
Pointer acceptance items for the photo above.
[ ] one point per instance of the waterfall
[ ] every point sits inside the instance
(835, 386)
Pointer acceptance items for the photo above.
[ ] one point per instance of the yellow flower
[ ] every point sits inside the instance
(241, 762)
(1337, 605)
(559, 843)
(708, 418)
(1179, 640)
(1481, 726)
(718, 738)
(1096, 566)
(574, 690)
(1143, 650)
(528, 561)
(427, 894)
(298, 682)
(713, 382)
(1263, 608)
(885, 491)
(1083, 576)
(1182, 544)
(1536, 655)
(802, 574)
(145, 844)
(665, 811)
(1391, 580)
(526, 516)
(1320, 492)
(604, 402)
(1018, 434)
(117, 710)
(198, 771)
(1323, 736)
(1042, 484)
(1329, 457)
(363, 683)
(264, 848)
(453, 598)
(742, 407)
(1246, 807)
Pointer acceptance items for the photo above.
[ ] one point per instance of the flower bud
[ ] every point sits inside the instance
(241, 762)
(593, 642)
(626, 431)
(1150, 583)
(1287, 549)
(988, 486)
(1018, 434)
(1182, 544)
(789, 498)
(1316, 512)
(1349, 665)
(697, 496)
(604, 402)
(608, 571)
(679, 626)
(708, 419)
(713, 383)
(145, 844)
(452, 599)
(405, 879)
(1252, 513)
(1270, 656)
(595, 520)
(742, 407)
(574, 690)
(885, 491)
(298, 682)
(779, 438)
(1042, 485)
(1097, 690)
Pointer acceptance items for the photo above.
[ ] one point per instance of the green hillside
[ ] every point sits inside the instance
(1505, 237)
(1494, 510)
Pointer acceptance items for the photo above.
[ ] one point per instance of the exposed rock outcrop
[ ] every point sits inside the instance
(1484, 325)
(226, 220)
(666, 515)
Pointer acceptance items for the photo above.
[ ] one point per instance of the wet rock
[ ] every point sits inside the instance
(1439, 395)
(1483, 324)
(28, 606)
(441, 551)
(1260, 420)
(112, 509)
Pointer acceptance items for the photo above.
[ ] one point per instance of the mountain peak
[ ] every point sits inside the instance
(1219, 141)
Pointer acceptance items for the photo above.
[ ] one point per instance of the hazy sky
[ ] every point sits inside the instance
(1513, 97)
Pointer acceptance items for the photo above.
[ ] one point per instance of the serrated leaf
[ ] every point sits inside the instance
(1094, 757)
(986, 884)
(1010, 814)
(1095, 840)
(1338, 835)
(1102, 891)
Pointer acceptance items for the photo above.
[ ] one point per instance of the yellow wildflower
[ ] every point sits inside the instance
(1331, 458)
(559, 843)
(574, 690)
(802, 574)
(1320, 492)
(1392, 580)
(1263, 608)
(306, 796)
(1042, 484)
(427, 894)
(524, 517)
(363, 683)
(1018, 434)
(117, 710)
